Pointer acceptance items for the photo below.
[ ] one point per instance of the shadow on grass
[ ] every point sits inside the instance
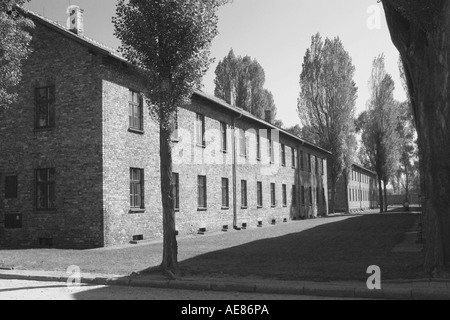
(336, 251)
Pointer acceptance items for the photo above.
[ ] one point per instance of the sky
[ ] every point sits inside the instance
(277, 33)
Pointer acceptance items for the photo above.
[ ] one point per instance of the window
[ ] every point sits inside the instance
(259, 194)
(242, 143)
(244, 203)
(322, 165)
(223, 137)
(200, 130)
(310, 196)
(284, 193)
(303, 196)
(283, 155)
(270, 146)
(258, 146)
(176, 190)
(202, 199)
(316, 164)
(136, 189)
(136, 111)
(11, 187)
(302, 161)
(45, 107)
(309, 163)
(273, 200)
(225, 193)
(45, 189)
(318, 196)
(324, 199)
(294, 157)
(294, 195)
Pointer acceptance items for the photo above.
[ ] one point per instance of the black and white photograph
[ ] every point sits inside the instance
(229, 156)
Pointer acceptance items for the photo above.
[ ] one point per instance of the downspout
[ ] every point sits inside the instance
(235, 226)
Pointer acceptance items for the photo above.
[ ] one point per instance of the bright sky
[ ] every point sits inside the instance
(276, 33)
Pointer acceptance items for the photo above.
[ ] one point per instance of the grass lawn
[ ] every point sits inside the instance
(339, 248)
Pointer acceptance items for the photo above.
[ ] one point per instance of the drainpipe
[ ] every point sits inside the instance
(235, 226)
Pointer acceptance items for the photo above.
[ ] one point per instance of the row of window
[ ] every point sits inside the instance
(45, 188)
(203, 203)
(358, 195)
(45, 118)
(45, 109)
(360, 177)
(46, 191)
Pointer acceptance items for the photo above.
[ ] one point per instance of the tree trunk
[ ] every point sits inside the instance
(385, 197)
(380, 195)
(170, 247)
(425, 51)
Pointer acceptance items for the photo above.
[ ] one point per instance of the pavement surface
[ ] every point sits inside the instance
(425, 289)
(38, 290)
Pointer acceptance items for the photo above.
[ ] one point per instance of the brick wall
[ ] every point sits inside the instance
(72, 147)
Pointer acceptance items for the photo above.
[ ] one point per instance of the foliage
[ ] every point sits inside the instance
(14, 49)
(326, 105)
(171, 41)
(240, 81)
(380, 139)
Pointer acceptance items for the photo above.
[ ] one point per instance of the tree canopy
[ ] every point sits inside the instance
(240, 81)
(14, 49)
(380, 139)
(326, 105)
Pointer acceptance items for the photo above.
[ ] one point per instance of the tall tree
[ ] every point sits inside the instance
(408, 170)
(326, 105)
(379, 124)
(240, 81)
(420, 30)
(14, 48)
(170, 41)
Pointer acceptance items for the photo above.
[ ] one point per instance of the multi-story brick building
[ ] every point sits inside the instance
(361, 192)
(79, 164)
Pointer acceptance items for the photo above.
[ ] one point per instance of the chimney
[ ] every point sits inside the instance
(268, 116)
(75, 22)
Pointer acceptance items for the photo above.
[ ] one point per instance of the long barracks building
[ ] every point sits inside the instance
(79, 165)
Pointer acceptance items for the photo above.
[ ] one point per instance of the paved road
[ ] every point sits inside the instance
(34, 290)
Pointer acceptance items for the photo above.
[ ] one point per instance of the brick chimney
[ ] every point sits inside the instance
(75, 22)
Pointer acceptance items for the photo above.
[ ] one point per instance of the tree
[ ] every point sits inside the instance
(240, 81)
(326, 105)
(419, 30)
(379, 124)
(169, 41)
(408, 170)
(14, 48)
(295, 130)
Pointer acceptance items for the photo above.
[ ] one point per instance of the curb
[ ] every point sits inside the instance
(319, 290)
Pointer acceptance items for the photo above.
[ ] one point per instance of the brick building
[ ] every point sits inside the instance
(80, 155)
(360, 194)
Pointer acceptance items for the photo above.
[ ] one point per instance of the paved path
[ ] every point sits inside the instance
(222, 287)
(36, 290)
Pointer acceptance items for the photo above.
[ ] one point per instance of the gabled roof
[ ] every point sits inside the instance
(88, 42)
(364, 168)
(250, 116)
(103, 49)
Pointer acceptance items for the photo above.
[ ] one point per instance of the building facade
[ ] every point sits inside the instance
(80, 156)
(361, 192)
